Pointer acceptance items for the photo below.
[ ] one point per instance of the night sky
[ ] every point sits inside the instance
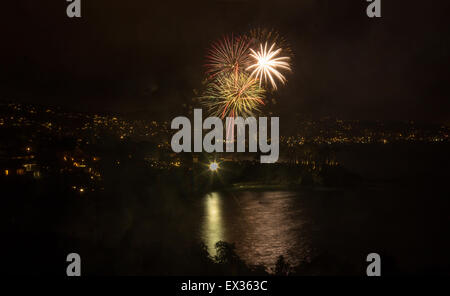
(129, 56)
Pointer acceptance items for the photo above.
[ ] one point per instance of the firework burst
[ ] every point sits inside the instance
(232, 95)
(229, 55)
(267, 64)
(235, 72)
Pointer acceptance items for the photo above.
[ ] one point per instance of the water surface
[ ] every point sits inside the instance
(263, 225)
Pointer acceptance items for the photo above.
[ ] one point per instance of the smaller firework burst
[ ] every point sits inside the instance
(267, 64)
(231, 95)
(229, 55)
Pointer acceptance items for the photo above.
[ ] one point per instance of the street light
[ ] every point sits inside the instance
(213, 166)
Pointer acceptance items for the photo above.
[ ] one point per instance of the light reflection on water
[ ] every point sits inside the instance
(263, 225)
(212, 226)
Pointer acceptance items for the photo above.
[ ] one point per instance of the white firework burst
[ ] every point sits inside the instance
(267, 64)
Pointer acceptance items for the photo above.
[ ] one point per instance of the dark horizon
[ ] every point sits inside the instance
(147, 57)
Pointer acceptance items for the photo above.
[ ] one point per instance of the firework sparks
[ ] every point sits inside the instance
(267, 64)
(261, 35)
(235, 72)
(228, 55)
(232, 95)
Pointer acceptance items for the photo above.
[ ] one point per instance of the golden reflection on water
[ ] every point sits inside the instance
(212, 224)
(263, 225)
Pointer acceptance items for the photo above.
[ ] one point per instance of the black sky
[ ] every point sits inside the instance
(138, 55)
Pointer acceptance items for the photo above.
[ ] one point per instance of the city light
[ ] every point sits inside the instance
(213, 166)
